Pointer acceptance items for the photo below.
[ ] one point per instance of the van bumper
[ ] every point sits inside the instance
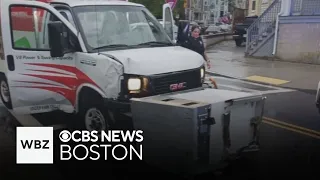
(117, 105)
(239, 37)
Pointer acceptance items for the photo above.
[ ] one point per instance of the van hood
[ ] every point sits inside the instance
(157, 60)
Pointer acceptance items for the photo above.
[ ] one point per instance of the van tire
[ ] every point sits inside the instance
(93, 115)
(4, 92)
(238, 42)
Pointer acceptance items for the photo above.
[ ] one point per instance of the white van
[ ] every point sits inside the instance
(89, 57)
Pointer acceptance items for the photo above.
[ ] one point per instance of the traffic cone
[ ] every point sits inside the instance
(213, 82)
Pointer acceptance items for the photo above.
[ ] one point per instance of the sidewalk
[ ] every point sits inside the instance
(227, 59)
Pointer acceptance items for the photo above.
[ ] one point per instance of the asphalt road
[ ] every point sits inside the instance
(290, 134)
(290, 140)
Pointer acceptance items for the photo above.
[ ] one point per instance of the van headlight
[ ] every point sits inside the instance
(202, 73)
(134, 84)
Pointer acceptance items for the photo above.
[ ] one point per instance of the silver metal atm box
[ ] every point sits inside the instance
(191, 132)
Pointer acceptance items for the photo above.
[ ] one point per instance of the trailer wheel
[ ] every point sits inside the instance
(93, 115)
(4, 92)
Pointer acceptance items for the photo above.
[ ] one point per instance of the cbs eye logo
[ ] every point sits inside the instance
(65, 136)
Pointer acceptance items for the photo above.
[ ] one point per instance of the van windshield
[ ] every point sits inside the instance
(115, 26)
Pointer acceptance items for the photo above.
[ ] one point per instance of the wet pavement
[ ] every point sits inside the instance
(290, 139)
(229, 60)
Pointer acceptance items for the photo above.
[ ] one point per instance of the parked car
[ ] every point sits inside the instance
(213, 29)
(318, 97)
(240, 30)
(218, 27)
(224, 27)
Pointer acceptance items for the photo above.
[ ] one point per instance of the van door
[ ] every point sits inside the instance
(37, 82)
(168, 20)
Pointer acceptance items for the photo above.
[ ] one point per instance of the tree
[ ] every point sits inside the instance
(155, 7)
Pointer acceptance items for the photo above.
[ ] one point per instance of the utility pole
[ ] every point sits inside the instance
(190, 10)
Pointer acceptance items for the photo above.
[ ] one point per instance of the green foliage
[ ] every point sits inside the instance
(155, 7)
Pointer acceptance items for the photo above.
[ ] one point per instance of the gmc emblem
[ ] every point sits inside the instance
(177, 86)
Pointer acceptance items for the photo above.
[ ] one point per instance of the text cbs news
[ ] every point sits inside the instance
(35, 145)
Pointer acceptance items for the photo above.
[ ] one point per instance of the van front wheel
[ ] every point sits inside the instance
(94, 117)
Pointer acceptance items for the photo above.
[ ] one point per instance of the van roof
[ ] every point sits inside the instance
(73, 3)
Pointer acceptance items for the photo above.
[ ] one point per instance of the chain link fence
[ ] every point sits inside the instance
(305, 7)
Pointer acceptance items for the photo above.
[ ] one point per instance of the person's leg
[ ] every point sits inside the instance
(213, 82)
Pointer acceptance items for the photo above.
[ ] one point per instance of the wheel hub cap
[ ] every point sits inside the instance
(94, 120)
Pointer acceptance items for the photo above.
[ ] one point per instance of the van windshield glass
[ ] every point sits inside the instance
(118, 26)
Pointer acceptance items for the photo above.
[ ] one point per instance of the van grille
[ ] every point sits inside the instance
(161, 83)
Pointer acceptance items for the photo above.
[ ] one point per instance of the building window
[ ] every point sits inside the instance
(253, 5)
(221, 13)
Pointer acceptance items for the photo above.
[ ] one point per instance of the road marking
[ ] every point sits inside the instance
(292, 130)
(237, 88)
(291, 127)
(229, 86)
(246, 82)
(267, 80)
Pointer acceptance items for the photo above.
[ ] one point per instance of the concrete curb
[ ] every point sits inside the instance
(221, 75)
(308, 91)
(211, 40)
(233, 77)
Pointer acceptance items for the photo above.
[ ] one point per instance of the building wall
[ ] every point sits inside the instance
(299, 39)
(260, 7)
(241, 4)
(253, 7)
(217, 6)
(264, 5)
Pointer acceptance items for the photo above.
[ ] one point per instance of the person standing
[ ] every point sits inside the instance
(195, 43)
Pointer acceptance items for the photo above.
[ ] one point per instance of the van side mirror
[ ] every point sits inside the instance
(56, 38)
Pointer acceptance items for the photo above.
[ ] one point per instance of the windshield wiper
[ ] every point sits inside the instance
(155, 43)
(111, 46)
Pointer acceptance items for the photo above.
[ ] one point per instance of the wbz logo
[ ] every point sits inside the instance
(34, 145)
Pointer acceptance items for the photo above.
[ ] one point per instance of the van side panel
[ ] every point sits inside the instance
(3, 66)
